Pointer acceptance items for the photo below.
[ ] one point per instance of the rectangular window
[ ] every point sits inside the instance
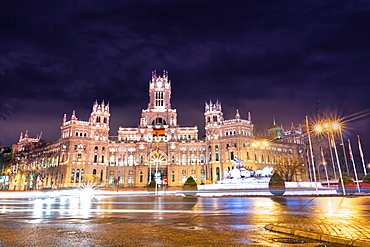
(79, 157)
(173, 178)
(159, 99)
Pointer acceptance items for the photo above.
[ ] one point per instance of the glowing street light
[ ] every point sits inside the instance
(330, 127)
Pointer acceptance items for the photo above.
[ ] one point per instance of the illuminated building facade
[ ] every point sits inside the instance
(86, 154)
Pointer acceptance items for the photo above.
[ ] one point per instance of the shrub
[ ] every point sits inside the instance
(366, 184)
(366, 178)
(151, 185)
(190, 187)
(346, 179)
(277, 185)
(349, 184)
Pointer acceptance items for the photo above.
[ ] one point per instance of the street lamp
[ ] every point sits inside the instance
(319, 129)
(330, 128)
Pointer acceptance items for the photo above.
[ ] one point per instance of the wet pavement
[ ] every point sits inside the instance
(121, 219)
(344, 233)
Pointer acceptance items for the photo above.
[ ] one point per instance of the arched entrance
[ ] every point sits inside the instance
(157, 166)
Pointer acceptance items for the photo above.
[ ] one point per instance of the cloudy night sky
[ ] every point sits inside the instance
(271, 58)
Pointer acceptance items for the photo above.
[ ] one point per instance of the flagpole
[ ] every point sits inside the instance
(150, 163)
(361, 154)
(332, 158)
(312, 160)
(344, 149)
(336, 155)
(323, 162)
(156, 164)
(353, 163)
(309, 166)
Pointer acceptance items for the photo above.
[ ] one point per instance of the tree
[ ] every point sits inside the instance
(277, 185)
(289, 166)
(190, 187)
(5, 159)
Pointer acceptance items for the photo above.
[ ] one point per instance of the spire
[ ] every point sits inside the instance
(154, 75)
(64, 118)
(237, 115)
(292, 127)
(21, 136)
(249, 116)
(73, 115)
(273, 120)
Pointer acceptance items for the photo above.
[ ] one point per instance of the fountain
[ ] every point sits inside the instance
(240, 181)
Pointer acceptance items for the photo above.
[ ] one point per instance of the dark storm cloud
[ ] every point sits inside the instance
(249, 54)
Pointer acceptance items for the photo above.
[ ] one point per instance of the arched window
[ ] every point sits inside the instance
(202, 158)
(95, 158)
(183, 178)
(217, 157)
(77, 175)
(159, 121)
(96, 147)
(131, 160)
(193, 159)
(73, 176)
(183, 159)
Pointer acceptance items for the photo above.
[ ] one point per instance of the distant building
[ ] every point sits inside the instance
(158, 148)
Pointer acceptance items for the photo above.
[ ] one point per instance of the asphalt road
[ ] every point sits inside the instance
(119, 219)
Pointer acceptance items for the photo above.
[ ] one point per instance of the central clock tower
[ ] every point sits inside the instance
(159, 91)
(159, 110)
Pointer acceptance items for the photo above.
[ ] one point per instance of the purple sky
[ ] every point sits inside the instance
(272, 58)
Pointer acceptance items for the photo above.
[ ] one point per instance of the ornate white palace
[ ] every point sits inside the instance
(86, 154)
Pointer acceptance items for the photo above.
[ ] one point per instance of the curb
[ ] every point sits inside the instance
(318, 236)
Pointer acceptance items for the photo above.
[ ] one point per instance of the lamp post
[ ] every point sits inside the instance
(311, 152)
(331, 127)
